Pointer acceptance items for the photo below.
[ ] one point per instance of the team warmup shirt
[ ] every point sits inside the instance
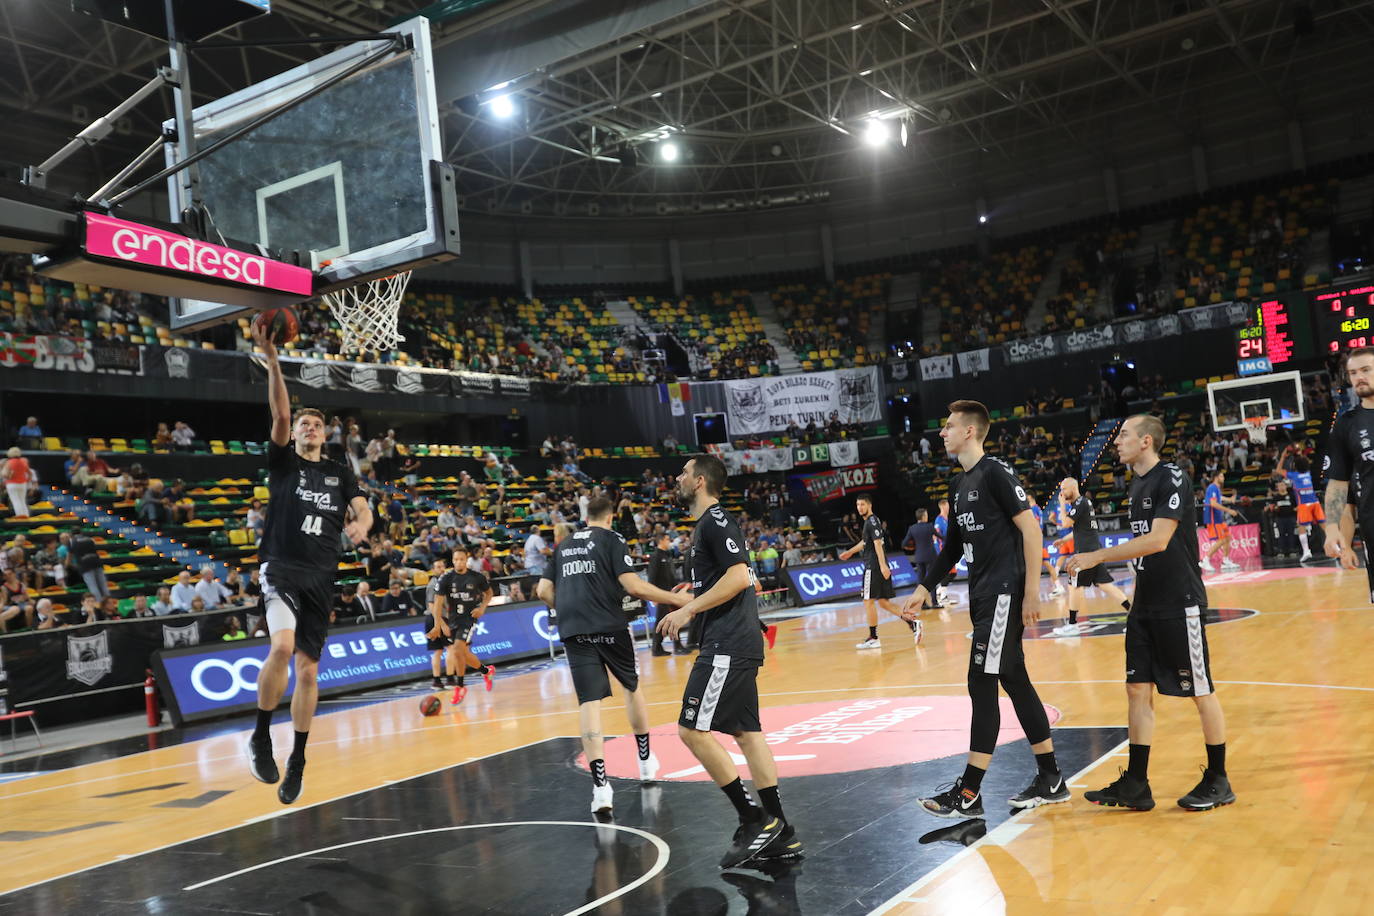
(1167, 582)
(1210, 514)
(585, 570)
(730, 629)
(1350, 457)
(941, 531)
(984, 500)
(464, 591)
(873, 535)
(1301, 483)
(309, 506)
(1085, 534)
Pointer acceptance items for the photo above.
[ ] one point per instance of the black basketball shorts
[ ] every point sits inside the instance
(1097, 575)
(997, 631)
(719, 698)
(1169, 652)
(460, 627)
(594, 657)
(876, 585)
(308, 593)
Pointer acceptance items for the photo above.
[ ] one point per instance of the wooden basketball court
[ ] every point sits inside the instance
(498, 821)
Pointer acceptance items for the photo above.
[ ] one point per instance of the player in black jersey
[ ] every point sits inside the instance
(1166, 636)
(722, 692)
(1350, 457)
(1085, 540)
(460, 600)
(878, 588)
(588, 577)
(996, 533)
(312, 499)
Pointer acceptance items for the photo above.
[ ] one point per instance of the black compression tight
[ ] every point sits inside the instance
(987, 716)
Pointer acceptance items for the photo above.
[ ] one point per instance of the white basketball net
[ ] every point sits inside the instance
(367, 313)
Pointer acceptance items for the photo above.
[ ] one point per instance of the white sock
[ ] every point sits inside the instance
(1302, 539)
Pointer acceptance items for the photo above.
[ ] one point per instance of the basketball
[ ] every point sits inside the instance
(431, 705)
(282, 324)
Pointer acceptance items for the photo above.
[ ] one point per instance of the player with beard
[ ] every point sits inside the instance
(1086, 539)
(315, 502)
(995, 532)
(878, 588)
(1350, 457)
(722, 690)
(1166, 635)
(460, 600)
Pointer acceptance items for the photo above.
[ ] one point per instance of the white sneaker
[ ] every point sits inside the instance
(648, 769)
(869, 644)
(1068, 629)
(916, 633)
(1056, 591)
(1206, 566)
(603, 799)
(1306, 555)
(1229, 565)
(941, 594)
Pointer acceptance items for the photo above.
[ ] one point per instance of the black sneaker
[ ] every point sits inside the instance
(963, 834)
(955, 801)
(1044, 790)
(290, 788)
(260, 762)
(1126, 792)
(751, 838)
(1213, 792)
(451, 681)
(783, 847)
(437, 684)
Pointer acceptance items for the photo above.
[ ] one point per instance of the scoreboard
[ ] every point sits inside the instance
(1344, 320)
(1267, 340)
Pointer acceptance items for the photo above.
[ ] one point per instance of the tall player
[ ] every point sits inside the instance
(878, 588)
(995, 532)
(1350, 456)
(588, 577)
(1085, 540)
(1216, 514)
(1166, 635)
(722, 691)
(459, 602)
(314, 502)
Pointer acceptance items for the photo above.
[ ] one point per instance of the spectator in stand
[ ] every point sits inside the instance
(537, 553)
(46, 617)
(211, 590)
(162, 439)
(234, 583)
(141, 607)
(90, 609)
(156, 509)
(18, 478)
(334, 438)
(492, 470)
(183, 506)
(367, 602)
(31, 434)
(410, 470)
(448, 517)
(14, 602)
(346, 608)
(198, 605)
(109, 609)
(48, 565)
(162, 605)
(73, 467)
(86, 558)
(252, 589)
(183, 593)
(396, 519)
(467, 493)
(182, 436)
(399, 601)
(255, 518)
(233, 631)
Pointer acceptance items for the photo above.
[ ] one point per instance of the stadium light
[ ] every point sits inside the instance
(502, 107)
(668, 151)
(982, 217)
(876, 133)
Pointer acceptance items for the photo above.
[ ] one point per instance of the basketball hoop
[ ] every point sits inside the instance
(367, 313)
(1255, 427)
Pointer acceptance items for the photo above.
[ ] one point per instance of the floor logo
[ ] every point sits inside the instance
(834, 737)
(1115, 624)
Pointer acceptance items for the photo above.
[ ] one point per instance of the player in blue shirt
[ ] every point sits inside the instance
(1310, 513)
(941, 523)
(1216, 514)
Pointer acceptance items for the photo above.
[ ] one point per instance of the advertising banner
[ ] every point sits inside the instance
(840, 482)
(763, 405)
(1027, 349)
(825, 581)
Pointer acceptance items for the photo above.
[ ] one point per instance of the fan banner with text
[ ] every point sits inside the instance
(764, 405)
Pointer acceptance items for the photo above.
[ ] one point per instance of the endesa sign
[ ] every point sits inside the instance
(216, 679)
(824, 581)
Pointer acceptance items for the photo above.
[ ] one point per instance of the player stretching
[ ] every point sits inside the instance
(1349, 456)
(722, 691)
(312, 498)
(1166, 634)
(459, 602)
(877, 575)
(588, 577)
(1085, 539)
(1214, 513)
(995, 532)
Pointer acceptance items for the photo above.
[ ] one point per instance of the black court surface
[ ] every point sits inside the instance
(511, 835)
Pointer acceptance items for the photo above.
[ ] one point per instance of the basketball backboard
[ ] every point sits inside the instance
(1277, 398)
(347, 182)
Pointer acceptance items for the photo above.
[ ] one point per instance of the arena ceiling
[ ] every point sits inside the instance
(766, 102)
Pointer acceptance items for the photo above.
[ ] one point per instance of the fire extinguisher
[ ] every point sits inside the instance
(150, 701)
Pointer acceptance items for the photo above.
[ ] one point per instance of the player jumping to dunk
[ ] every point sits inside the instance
(312, 501)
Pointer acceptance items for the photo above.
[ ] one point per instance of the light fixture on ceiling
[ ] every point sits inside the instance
(668, 151)
(876, 133)
(904, 133)
(982, 218)
(501, 107)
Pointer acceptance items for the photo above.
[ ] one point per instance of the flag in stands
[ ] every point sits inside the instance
(675, 393)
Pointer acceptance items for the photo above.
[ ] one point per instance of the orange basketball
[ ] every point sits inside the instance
(282, 324)
(431, 705)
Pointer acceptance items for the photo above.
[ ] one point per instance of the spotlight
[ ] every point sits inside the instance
(982, 218)
(876, 133)
(502, 107)
(904, 133)
(668, 151)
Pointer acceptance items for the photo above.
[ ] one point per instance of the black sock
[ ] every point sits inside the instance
(480, 669)
(1047, 764)
(1139, 762)
(598, 772)
(973, 777)
(298, 748)
(1126, 605)
(772, 803)
(262, 731)
(912, 624)
(460, 680)
(872, 632)
(1073, 616)
(739, 797)
(642, 741)
(1216, 759)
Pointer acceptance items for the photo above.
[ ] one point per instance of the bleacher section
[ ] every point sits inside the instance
(984, 302)
(829, 326)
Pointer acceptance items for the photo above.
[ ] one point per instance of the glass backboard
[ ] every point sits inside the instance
(1276, 398)
(344, 183)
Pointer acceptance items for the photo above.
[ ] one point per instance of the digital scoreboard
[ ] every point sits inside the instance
(1266, 340)
(1344, 320)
